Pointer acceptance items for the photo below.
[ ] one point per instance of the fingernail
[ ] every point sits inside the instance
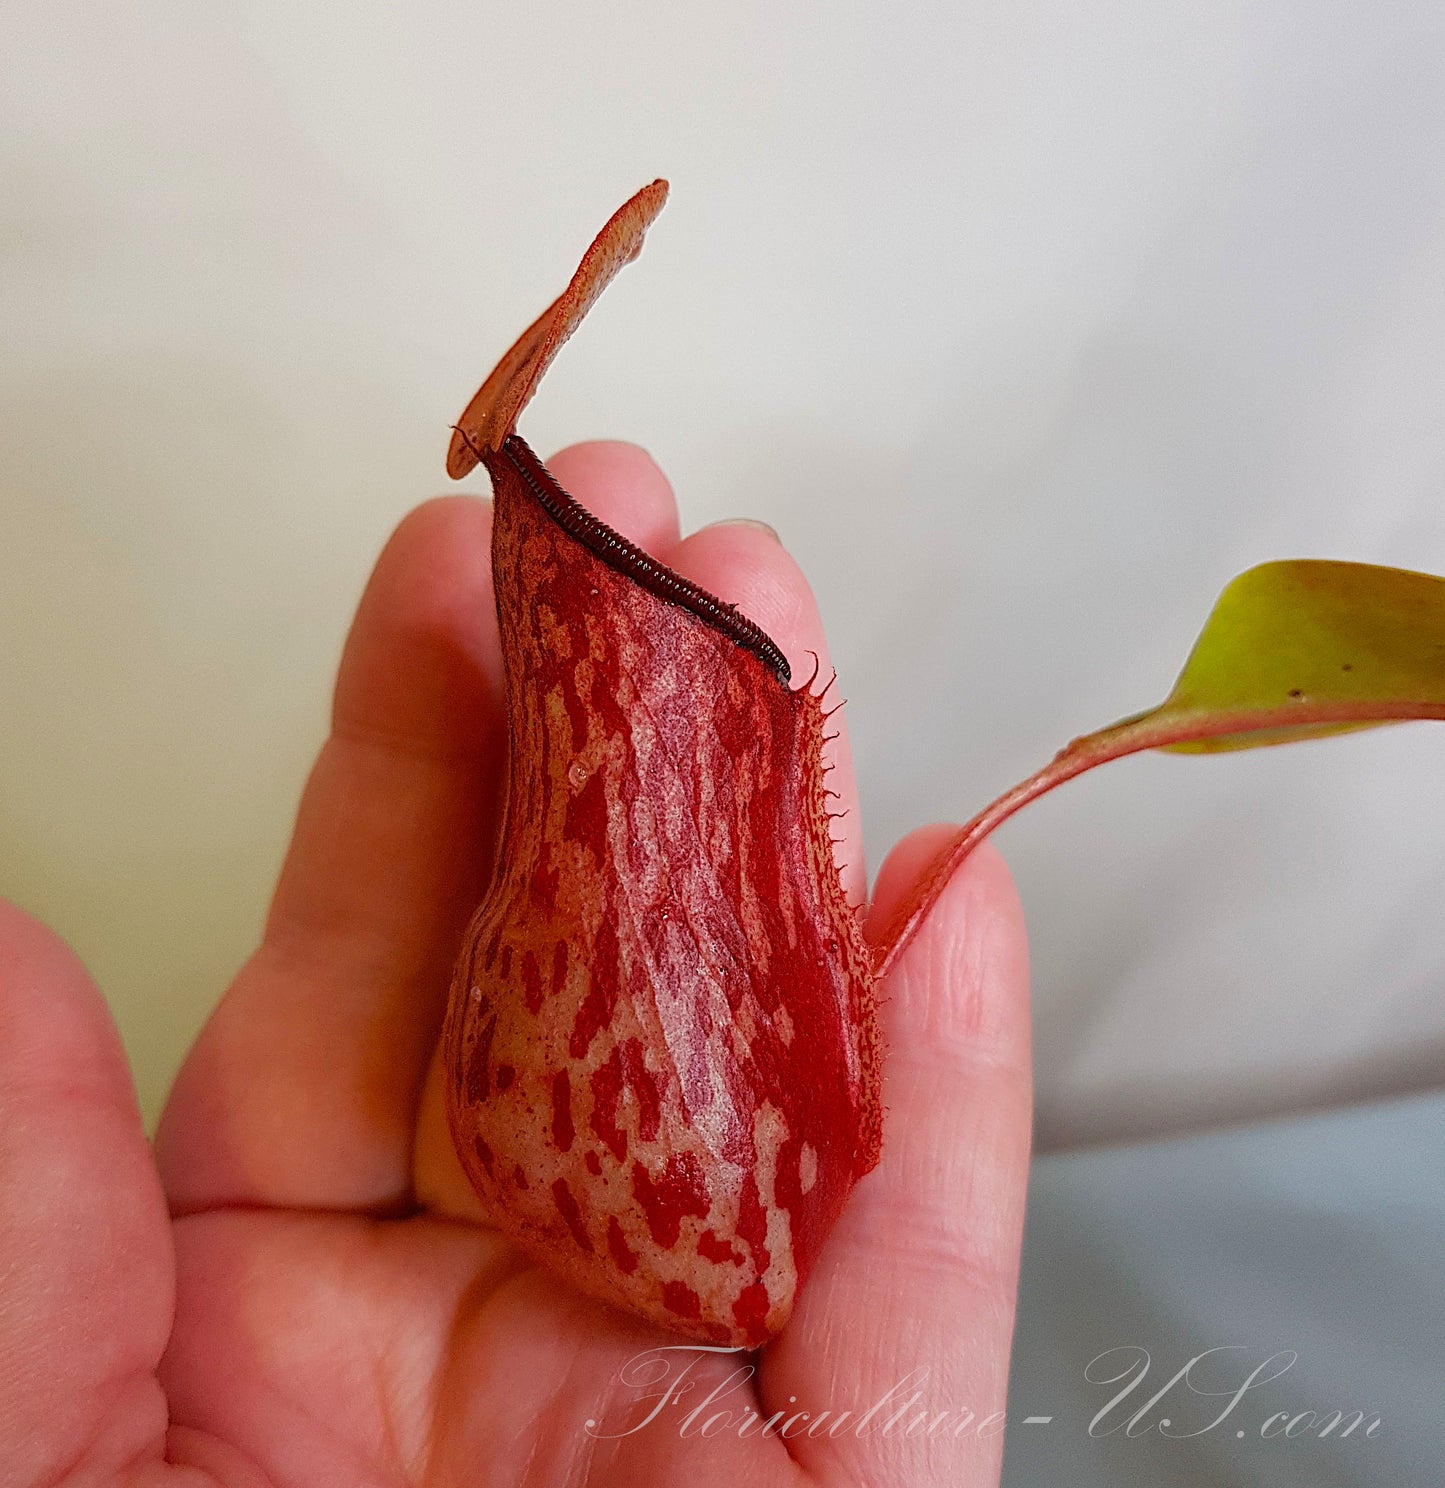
(752, 522)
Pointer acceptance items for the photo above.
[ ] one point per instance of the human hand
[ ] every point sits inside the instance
(299, 1287)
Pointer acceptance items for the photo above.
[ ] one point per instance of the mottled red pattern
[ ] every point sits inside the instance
(750, 1311)
(679, 1190)
(663, 1012)
(606, 1088)
(571, 1214)
(643, 1086)
(479, 1068)
(752, 1222)
(484, 1154)
(680, 1298)
(621, 1252)
(710, 1248)
(563, 1131)
(690, 990)
(600, 1003)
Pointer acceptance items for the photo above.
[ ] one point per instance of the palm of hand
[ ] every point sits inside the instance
(300, 1287)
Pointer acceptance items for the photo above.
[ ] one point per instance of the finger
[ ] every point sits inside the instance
(304, 1087)
(85, 1245)
(300, 1086)
(912, 1299)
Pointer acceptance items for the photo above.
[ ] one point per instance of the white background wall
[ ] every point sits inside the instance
(1027, 324)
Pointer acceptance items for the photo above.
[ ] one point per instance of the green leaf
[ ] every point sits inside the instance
(1310, 648)
(1292, 650)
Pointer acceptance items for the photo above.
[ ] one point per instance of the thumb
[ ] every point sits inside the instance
(85, 1247)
